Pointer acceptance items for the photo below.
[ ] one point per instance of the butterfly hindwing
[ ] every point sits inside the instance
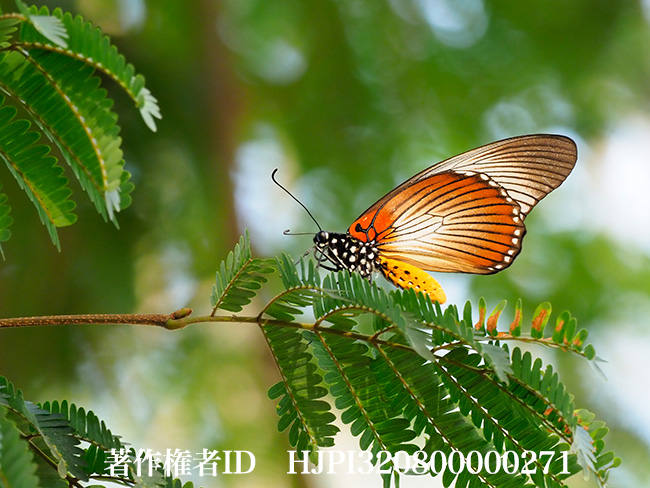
(461, 223)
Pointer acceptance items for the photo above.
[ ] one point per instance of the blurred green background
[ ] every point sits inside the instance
(347, 98)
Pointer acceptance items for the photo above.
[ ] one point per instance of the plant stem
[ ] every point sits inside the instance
(167, 321)
(179, 320)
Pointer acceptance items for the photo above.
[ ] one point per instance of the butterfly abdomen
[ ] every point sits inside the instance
(404, 275)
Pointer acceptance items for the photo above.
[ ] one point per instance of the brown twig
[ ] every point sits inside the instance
(170, 321)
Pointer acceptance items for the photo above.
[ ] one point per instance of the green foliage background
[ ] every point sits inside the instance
(347, 98)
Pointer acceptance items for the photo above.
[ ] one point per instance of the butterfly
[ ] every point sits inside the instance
(465, 214)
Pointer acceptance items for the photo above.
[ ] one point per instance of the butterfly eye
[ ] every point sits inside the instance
(321, 237)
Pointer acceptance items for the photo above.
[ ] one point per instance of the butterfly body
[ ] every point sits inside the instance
(465, 214)
(342, 251)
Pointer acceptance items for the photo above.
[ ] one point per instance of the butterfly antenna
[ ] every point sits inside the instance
(289, 233)
(299, 202)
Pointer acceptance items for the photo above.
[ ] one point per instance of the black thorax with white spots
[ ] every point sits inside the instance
(346, 252)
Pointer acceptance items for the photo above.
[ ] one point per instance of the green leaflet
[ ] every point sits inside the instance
(547, 383)
(558, 410)
(358, 392)
(50, 27)
(583, 445)
(101, 153)
(512, 422)
(441, 328)
(414, 389)
(301, 290)
(7, 28)
(499, 359)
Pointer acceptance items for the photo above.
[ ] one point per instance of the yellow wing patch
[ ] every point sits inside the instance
(405, 275)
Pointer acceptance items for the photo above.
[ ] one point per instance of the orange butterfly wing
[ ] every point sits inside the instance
(466, 213)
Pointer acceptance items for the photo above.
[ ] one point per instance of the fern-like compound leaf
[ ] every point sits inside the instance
(409, 376)
(301, 407)
(17, 468)
(87, 427)
(49, 63)
(100, 154)
(63, 98)
(51, 428)
(36, 172)
(5, 220)
(88, 44)
(239, 277)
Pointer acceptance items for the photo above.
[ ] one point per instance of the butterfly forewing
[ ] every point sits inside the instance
(527, 167)
(466, 214)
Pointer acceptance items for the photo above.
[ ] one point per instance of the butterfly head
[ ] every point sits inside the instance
(321, 238)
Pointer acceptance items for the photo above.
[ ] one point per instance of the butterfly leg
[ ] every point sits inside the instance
(305, 254)
(322, 258)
